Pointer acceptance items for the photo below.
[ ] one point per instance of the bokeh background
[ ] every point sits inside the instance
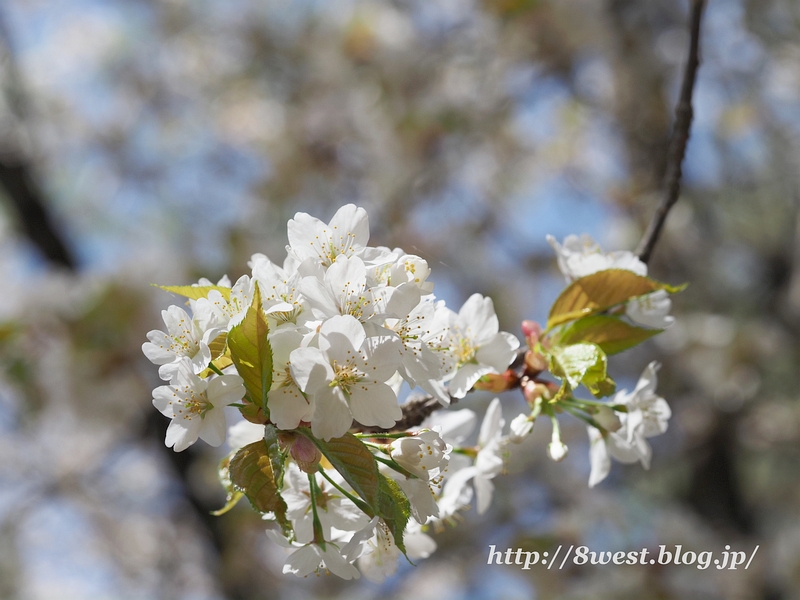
(157, 141)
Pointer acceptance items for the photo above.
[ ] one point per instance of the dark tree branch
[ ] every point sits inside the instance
(417, 410)
(16, 173)
(28, 202)
(679, 138)
(414, 413)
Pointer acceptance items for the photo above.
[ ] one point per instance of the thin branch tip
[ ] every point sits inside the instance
(684, 113)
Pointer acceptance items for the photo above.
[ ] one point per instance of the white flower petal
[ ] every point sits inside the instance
(332, 417)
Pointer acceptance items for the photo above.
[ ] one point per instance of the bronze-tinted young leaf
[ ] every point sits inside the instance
(253, 413)
(394, 508)
(353, 460)
(600, 291)
(195, 292)
(610, 333)
(218, 345)
(251, 473)
(251, 352)
(220, 363)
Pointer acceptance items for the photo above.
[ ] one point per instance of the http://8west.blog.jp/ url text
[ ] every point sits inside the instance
(565, 557)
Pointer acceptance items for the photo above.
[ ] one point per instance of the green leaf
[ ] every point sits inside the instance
(276, 455)
(254, 413)
(195, 292)
(234, 495)
(599, 291)
(582, 363)
(252, 354)
(351, 457)
(612, 334)
(251, 473)
(394, 508)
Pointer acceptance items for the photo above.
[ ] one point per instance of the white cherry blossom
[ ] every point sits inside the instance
(280, 290)
(424, 332)
(333, 509)
(651, 310)
(228, 313)
(346, 376)
(186, 338)
(604, 445)
(244, 433)
(347, 234)
(196, 406)
(425, 454)
(477, 346)
(488, 460)
(626, 440)
(648, 414)
(582, 256)
(313, 558)
(379, 558)
(520, 428)
(287, 404)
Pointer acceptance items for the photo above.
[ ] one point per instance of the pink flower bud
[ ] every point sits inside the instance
(533, 391)
(535, 363)
(306, 454)
(531, 330)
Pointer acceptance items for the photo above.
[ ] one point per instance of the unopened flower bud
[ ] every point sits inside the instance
(557, 450)
(306, 454)
(534, 391)
(497, 383)
(531, 330)
(535, 363)
(607, 418)
(521, 427)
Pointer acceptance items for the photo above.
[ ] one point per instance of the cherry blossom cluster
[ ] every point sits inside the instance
(314, 352)
(348, 324)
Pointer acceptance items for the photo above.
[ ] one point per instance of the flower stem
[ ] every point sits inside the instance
(214, 368)
(583, 402)
(388, 436)
(584, 417)
(357, 501)
(394, 466)
(319, 537)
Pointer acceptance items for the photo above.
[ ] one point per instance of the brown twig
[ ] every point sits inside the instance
(679, 138)
(414, 413)
(417, 410)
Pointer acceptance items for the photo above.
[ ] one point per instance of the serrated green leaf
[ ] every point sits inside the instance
(599, 291)
(601, 387)
(582, 363)
(233, 495)
(195, 292)
(394, 508)
(252, 354)
(353, 460)
(610, 333)
(251, 473)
